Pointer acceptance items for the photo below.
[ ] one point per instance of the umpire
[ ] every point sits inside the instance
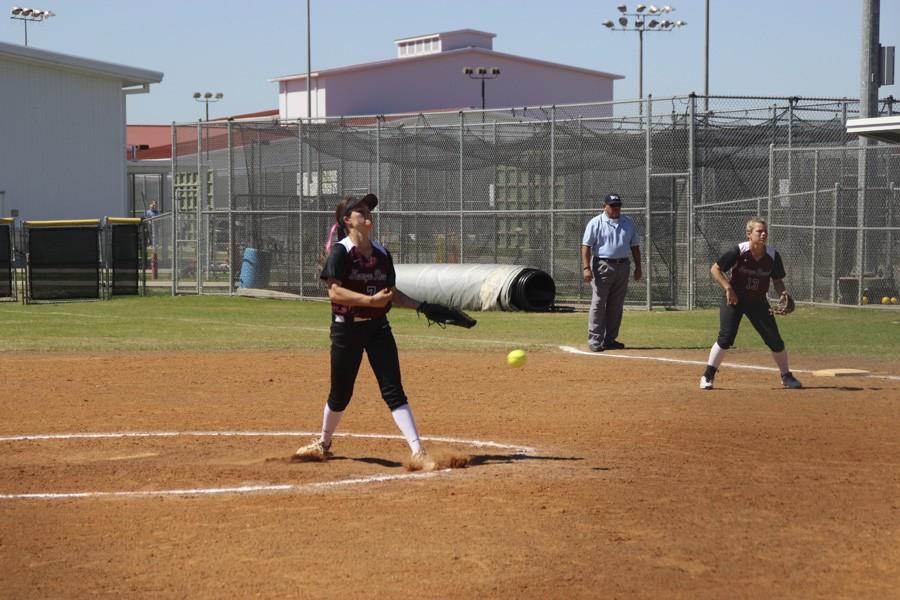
(609, 239)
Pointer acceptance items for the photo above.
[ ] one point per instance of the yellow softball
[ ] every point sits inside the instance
(516, 358)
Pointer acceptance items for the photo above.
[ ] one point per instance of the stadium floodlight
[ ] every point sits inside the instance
(640, 25)
(29, 14)
(206, 98)
(482, 74)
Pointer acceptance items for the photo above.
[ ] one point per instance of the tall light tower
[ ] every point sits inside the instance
(658, 21)
(36, 15)
(482, 73)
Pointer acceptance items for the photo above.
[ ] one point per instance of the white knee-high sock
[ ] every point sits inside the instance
(330, 421)
(716, 356)
(403, 417)
(781, 359)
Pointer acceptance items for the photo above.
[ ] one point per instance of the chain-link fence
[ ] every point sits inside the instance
(517, 186)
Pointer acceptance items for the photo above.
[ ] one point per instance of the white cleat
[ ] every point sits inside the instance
(706, 384)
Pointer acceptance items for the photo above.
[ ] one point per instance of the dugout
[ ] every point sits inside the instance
(125, 256)
(62, 260)
(8, 282)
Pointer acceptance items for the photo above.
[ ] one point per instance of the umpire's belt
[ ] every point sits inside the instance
(613, 260)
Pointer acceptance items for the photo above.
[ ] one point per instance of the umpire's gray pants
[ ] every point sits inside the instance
(607, 300)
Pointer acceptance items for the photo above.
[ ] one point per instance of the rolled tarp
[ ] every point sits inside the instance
(477, 286)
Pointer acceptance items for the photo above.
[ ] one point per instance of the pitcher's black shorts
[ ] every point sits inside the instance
(757, 312)
(348, 341)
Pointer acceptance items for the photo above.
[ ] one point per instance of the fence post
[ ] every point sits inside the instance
(378, 169)
(834, 275)
(691, 302)
(174, 269)
(462, 118)
(552, 189)
(815, 224)
(771, 185)
(230, 190)
(301, 130)
(862, 167)
(201, 192)
(648, 156)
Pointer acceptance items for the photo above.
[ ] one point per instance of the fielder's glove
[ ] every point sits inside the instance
(445, 315)
(784, 306)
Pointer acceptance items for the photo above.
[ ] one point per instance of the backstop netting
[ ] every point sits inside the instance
(63, 260)
(7, 266)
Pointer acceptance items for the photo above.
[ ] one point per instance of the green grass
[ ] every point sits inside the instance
(214, 323)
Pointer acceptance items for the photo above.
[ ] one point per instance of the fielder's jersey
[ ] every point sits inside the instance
(360, 274)
(750, 277)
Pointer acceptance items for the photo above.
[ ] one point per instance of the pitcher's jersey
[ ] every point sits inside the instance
(360, 274)
(750, 277)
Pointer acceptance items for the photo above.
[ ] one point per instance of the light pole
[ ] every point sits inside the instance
(206, 98)
(36, 15)
(640, 24)
(482, 73)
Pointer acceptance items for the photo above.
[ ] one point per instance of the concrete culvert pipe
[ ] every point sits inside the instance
(478, 287)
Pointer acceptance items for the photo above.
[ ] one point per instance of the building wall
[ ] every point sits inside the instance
(438, 83)
(292, 99)
(62, 136)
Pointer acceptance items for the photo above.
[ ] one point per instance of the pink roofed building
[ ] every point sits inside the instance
(427, 75)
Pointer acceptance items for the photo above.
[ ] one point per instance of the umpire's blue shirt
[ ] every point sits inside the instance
(610, 238)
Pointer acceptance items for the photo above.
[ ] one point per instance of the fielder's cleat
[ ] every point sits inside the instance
(315, 450)
(595, 348)
(706, 383)
(789, 381)
(421, 461)
(614, 345)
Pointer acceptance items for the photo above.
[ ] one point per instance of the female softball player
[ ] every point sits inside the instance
(752, 265)
(359, 275)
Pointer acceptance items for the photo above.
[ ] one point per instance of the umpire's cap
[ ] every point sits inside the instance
(370, 200)
(613, 199)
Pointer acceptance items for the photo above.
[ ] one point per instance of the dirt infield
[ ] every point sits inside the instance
(609, 479)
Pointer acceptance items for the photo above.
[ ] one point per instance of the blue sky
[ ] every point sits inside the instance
(757, 47)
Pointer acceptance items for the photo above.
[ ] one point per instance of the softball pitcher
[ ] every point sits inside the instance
(359, 275)
(752, 264)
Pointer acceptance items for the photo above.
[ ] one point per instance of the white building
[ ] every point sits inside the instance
(62, 133)
(427, 75)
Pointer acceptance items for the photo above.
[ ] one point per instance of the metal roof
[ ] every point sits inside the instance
(129, 76)
(884, 129)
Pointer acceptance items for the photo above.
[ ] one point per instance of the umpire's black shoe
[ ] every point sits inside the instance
(613, 345)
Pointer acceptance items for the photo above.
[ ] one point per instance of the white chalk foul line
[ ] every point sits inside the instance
(250, 489)
(701, 363)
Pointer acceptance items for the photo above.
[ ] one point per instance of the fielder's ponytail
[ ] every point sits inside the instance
(337, 231)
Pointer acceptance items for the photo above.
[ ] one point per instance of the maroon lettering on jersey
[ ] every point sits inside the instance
(750, 277)
(361, 274)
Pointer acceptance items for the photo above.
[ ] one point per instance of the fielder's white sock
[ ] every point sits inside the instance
(330, 422)
(403, 417)
(716, 356)
(781, 359)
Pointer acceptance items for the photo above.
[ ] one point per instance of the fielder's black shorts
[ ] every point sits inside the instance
(757, 311)
(348, 341)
